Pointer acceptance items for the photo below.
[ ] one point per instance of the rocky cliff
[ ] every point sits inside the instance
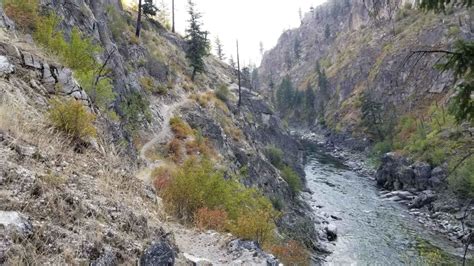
(362, 53)
(95, 201)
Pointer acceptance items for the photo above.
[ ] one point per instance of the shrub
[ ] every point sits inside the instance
(292, 178)
(382, 147)
(223, 93)
(135, 110)
(462, 179)
(23, 12)
(255, 225)
(148, 84)
(72, 118)
(48, 35)
(175, 150)
(291, 253)
(198, 185)
(277, 203)
(180, 128)
(275, 155)
(200, 146)
(99, 91)
(78, 54)
(207, 219)
(161, 177)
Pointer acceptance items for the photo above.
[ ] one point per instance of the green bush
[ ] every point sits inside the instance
(462, 179)
(135, 110)
(223, 93)
(71, 117)
(292, 178)
(275, 155)
(198, 185)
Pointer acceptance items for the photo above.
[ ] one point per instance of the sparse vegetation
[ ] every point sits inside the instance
(275, 155)
(223, 93)
(292, 178)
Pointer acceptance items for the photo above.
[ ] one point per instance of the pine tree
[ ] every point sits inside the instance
(232, 62)
(327, 32)
(219, 49)
(147, 9)
(198, 44)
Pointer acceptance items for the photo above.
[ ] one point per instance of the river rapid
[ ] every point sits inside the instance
(371, 230)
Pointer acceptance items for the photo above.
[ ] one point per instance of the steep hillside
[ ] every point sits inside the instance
(110, 153)
(361, 55)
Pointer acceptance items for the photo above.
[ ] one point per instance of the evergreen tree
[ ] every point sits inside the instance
(232, 62)
(261, 48)
(147, 9)
(198, 44)
(284, 95)
(327, 32)
(246, 78)
(255, 79)
(310, 102)
(297, 48)
(219, 49)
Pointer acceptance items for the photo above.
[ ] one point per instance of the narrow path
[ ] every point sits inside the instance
(161, 138)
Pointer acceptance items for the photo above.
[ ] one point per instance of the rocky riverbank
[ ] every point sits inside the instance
(415, 185)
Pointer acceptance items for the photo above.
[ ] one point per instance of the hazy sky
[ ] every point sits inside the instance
(251, 21)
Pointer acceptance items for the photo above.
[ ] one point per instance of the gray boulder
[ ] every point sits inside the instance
(158, 253)
(16, 221)
(331, 232)
(422, 171)
(425, 198)
(438, 175)
(5, 66)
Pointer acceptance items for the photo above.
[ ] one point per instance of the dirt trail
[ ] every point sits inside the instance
(202, 248)
(161, 138)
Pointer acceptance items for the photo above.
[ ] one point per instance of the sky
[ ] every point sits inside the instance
(250, 21)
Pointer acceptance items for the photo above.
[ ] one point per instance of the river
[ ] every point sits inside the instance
(372, 231)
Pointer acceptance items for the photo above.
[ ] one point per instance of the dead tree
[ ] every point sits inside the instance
(238, 75)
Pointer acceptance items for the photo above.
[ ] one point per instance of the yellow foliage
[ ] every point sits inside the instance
(180, 128)
(71, 117)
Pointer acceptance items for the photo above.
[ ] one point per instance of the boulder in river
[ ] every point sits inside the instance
(331, 232)
(426, 197)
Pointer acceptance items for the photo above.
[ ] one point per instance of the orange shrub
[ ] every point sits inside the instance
(291, 253)
(162, 177)
(206, 219)
(175, 150)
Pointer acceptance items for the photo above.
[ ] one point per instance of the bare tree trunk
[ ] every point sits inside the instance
(238, 75)
(172, 16)
(139, 19)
